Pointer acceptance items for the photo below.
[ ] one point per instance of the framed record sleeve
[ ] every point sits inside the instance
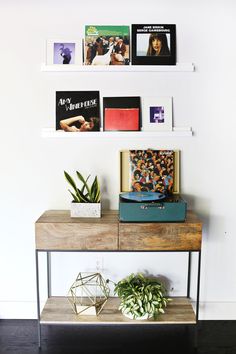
(153, 44)
(77, 111)
(121, 113)
(63, 51)
(107, 45)
(150, 171)
(157, 113)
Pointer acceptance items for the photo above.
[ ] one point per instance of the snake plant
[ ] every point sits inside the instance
(141, 296)
(86, 193)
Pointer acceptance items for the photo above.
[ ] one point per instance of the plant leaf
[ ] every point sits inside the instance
(76, 199)
(70, 181)
(83, 188)
(81, 178)
(97, 198)
(95, 191)
(83, 198)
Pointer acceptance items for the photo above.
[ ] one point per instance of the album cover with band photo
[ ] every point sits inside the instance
(106, 45)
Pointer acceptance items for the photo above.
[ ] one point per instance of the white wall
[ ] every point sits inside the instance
(32, 167)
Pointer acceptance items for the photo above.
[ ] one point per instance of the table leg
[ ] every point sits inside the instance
(49, 273)
(198, 284)
(38, 299)
(189, 274)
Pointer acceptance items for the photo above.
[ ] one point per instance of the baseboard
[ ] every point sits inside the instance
(207, 310)
(217, 310)
(18, 310)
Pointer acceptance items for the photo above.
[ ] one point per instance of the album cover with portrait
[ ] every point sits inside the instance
(63, 51)
(153, 44)
(150, 170)
(77, 111)
(106, 45)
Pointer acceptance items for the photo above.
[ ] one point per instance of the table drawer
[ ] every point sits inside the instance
(76, 236)
(160, 236)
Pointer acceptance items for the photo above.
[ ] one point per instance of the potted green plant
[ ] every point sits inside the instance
(86, 199)
(141, 297)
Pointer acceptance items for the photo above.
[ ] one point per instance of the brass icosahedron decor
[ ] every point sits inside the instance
(88, 294)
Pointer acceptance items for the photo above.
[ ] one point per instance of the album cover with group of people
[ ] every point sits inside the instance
(139, 44)
(150, 170)
(106, 45)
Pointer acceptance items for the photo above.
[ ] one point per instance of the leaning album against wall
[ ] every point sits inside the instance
(77, 111)
(106, 45)
(150, 170)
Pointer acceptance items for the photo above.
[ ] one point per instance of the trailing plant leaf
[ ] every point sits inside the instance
(141, 295)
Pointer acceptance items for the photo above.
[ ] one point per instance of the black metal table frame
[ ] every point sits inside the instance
(118, 251)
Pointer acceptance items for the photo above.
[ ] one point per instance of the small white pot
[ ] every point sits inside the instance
(85, 210)
(131, 316)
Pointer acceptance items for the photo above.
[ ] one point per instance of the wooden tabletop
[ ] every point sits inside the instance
(108, 216)
(56, 230)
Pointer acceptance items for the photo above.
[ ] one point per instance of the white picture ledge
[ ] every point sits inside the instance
(179, 67)
(176, 132)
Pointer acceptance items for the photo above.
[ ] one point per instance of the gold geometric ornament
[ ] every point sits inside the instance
(88, 294)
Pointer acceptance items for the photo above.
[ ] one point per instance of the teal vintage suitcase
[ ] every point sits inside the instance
(171, 209)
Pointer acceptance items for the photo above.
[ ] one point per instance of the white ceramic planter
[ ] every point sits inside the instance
(85, 210)
(131, 316)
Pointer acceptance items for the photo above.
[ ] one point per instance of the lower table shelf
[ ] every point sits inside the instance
(57, 232)
(57, 310)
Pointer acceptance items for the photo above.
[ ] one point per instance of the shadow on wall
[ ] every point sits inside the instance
(201, 206)
(214, 226)
(104, 199)
(166, 282)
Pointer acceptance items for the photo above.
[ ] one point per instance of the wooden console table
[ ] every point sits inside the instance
(56, 231)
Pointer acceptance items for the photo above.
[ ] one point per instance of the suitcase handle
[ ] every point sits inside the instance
(154, 205)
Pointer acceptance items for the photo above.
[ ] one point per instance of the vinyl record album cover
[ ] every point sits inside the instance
(77, 111)
(150, 171)
(107, 45)
(121, 119)
(121, 113)
(153, 44)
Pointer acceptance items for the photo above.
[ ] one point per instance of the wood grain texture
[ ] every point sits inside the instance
(179, 236)
(58, 311)
(63, 216)
(56, 230)
(133, 237)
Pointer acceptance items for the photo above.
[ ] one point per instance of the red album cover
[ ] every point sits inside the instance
(121, 119)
